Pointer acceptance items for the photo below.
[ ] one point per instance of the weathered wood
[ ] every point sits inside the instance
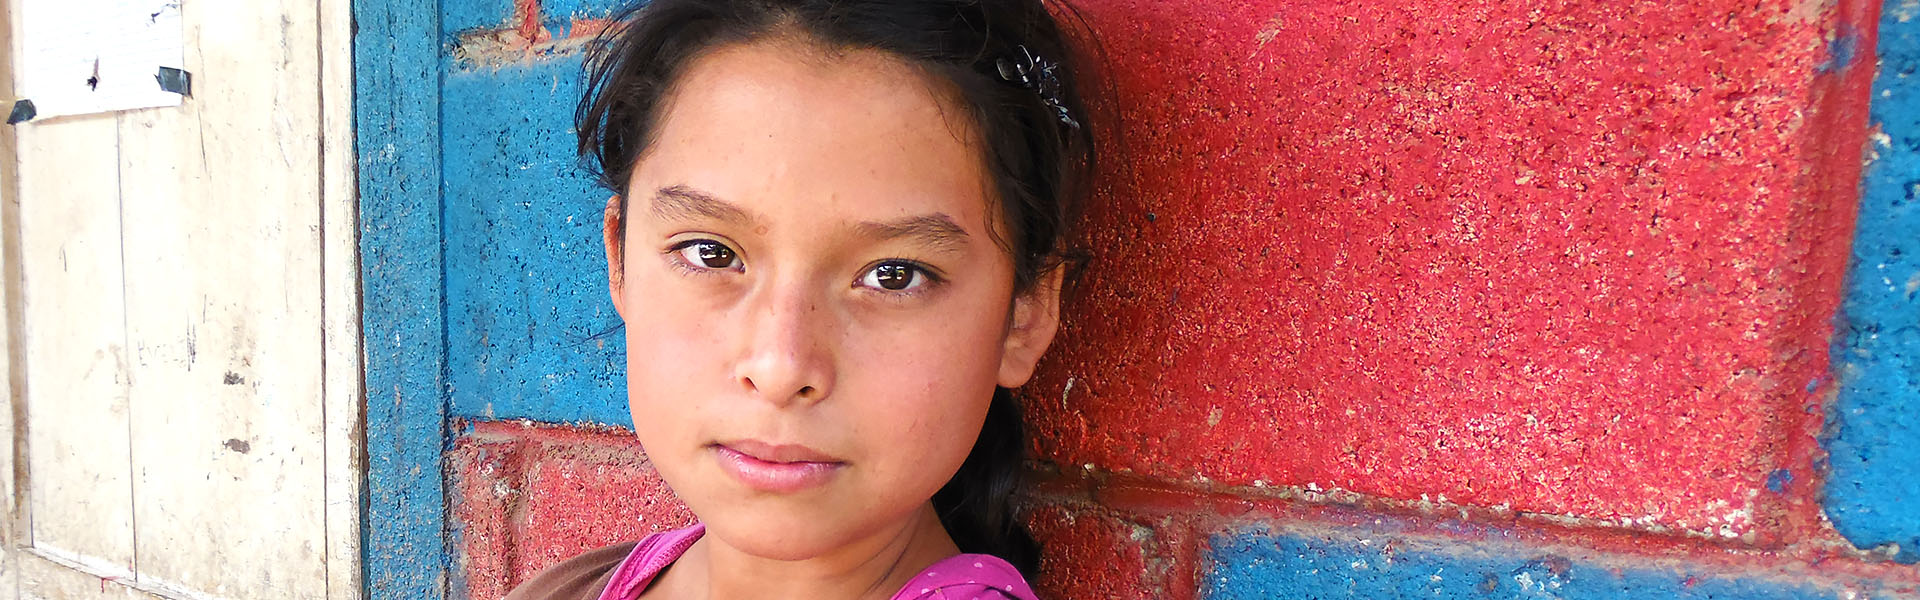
(188, 301)
(10, 375)
(340, 302)
(74, 337)
(222, 198)
(41, 577)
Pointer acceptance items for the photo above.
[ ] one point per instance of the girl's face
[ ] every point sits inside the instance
(816, 310)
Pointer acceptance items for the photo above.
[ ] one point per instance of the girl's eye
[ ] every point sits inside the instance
(707, 254)
(894, 276)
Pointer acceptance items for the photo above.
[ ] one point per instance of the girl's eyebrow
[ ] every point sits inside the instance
(936, 231)
(682, 203)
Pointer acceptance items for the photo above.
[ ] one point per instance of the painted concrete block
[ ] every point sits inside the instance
(1093, 552)
(1596, 329)
(1267, 564)
(530, 496)
(526, 285)
(1873, 446)
(1566, 258)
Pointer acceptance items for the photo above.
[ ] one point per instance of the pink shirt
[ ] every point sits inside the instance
(961, 577)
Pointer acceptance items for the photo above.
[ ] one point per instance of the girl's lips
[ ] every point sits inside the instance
(778, 469)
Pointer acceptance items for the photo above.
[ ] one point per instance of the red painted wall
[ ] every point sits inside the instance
(527, 497)
(1554, 272)
(1574, 258)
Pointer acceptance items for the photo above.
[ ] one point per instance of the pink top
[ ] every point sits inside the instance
(961, 577)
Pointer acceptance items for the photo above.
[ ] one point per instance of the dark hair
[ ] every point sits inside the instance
(1037, 139)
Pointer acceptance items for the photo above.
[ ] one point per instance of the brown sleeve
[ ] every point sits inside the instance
(579, 578)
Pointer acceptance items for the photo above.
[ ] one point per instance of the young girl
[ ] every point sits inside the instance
(837, 242)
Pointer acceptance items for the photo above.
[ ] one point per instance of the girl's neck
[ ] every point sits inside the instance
(869, 568)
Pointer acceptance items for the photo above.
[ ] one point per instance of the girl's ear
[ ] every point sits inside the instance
(616, 259)
(1036, 317)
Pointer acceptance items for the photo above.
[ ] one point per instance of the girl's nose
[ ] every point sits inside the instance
(787, 358)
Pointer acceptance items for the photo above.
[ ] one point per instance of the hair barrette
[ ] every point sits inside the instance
(1035, 73)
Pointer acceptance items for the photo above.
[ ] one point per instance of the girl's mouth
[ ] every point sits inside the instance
(775, 468)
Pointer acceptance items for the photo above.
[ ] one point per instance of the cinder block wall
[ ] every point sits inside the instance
(1446, 300)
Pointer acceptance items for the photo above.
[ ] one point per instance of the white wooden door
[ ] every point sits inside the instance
(182, 326)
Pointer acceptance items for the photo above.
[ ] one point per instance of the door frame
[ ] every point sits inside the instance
(397, 78)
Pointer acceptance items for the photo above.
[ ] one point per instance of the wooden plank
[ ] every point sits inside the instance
(224, 266)
(44, 577)
(10, 375)
(340, 300)
(73, 336)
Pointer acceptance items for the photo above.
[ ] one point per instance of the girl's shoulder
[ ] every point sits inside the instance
(968, 577)
(619, 571)
(578, 578)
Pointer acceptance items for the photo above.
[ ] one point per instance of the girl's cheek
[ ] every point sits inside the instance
(670, 343)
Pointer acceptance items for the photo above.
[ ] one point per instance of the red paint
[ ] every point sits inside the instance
(1203, 512)
(1573, 259)
(529, 496)
(1096, 553)
(527, 22)
(1837, 125)
(533, 496)
(1549, 273)
(587, 28)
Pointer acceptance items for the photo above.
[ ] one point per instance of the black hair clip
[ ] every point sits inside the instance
(1035, 73)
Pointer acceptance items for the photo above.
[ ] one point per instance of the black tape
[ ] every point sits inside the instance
(22, 111)
(175, 80)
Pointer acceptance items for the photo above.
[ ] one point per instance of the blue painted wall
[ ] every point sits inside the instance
(1260, 563)
(526, 294)
(480, 248)
(1873, 487)
(526, 272)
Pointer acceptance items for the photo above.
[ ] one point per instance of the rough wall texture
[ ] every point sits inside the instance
(1873, 494)
(1564, 258)
(1451, 299)
(529, 497)
(397, 128)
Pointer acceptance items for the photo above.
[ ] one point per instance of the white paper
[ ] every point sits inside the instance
(88, 56)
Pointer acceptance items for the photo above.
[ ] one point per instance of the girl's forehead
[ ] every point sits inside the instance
(781, 126)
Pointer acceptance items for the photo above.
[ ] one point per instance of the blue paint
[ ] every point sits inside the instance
(397, 124)
(1872, 491)
(1841, 50)
(1260, 564)
(1778, 480)
(461, 15)
(526, 267)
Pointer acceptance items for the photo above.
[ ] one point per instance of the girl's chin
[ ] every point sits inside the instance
(770, 538)
(785, 531)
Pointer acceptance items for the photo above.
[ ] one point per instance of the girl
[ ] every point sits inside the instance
(837, 242)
